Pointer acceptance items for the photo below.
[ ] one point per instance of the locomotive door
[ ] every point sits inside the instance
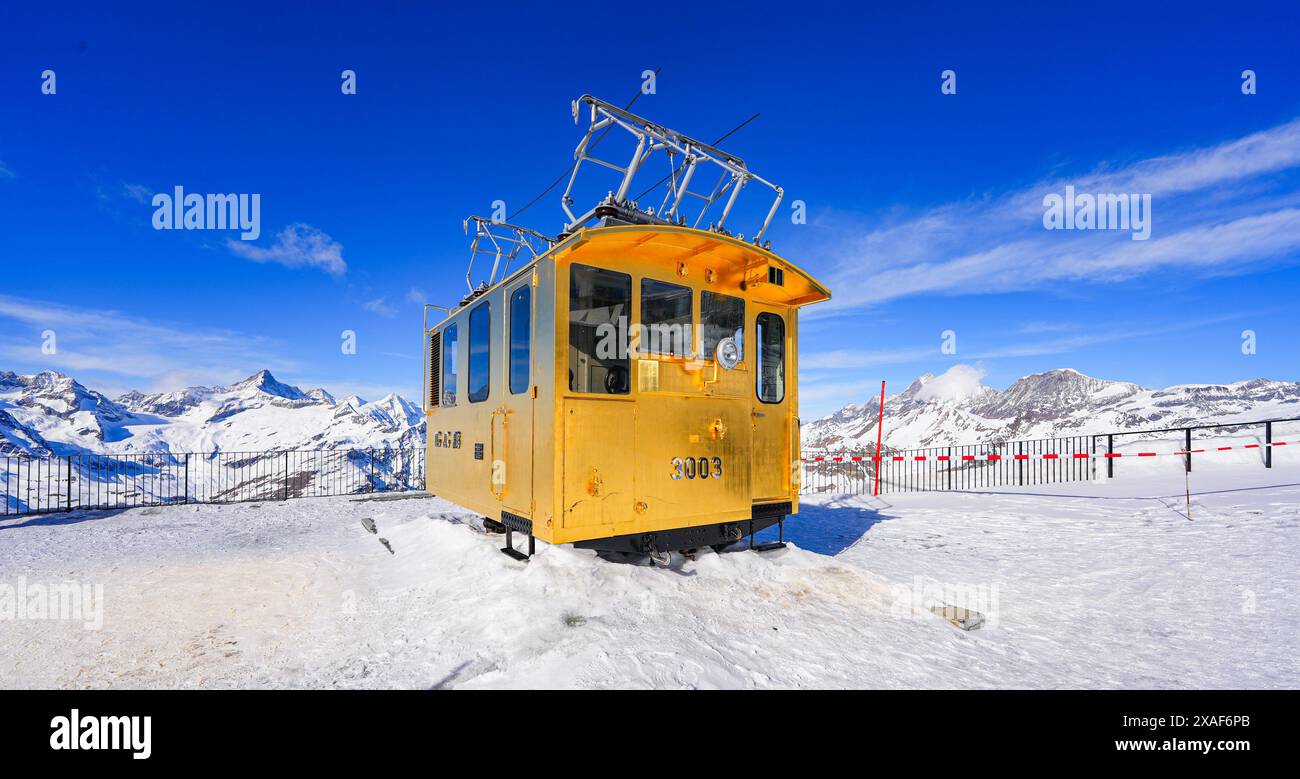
(513, 426)
(770, 399)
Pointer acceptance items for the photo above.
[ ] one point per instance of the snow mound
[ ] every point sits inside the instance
(1089, 585)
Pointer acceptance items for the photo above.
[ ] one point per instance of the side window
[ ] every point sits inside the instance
(599, 303)
(771, 358)
(666, 316)
(480, 352)
(521, 318)
(449, 355)
(721, 316)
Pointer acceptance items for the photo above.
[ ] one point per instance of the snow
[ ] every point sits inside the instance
(1103, 584)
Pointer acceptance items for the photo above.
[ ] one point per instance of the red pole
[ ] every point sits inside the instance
(880, 426)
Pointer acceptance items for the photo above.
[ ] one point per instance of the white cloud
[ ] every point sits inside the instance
(140, 353)
(296, 246)
(5, 172)
(417, 296)
(380, 306)
(1229, 208)
(958, 382)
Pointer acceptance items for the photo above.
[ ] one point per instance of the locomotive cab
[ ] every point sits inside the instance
(632, 388)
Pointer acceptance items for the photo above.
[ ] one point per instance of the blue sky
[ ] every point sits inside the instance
(924, 209)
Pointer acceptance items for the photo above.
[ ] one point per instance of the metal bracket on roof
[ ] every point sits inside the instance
(502, 240)
(685, 156)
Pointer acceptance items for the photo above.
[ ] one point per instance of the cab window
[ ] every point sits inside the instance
(600, 302)
(521, 319)
(449, 354)
(771, 358)
(721, 316)
(666, 317)
(480, 352)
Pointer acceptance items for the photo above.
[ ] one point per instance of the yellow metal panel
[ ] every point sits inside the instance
(692, 460)
(598, 464)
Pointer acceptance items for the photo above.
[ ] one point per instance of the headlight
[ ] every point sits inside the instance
(727, 353)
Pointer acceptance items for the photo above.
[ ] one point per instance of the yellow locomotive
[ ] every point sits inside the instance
(632, 387)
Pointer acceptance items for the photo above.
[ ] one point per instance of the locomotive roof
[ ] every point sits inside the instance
(736, 261)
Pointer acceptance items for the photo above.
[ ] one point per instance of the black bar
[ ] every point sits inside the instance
(1268, 444)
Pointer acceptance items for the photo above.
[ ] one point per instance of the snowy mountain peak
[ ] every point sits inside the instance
(1042, 396)
(51, 401)
(320, 394)
(263, 381)
(51, 413)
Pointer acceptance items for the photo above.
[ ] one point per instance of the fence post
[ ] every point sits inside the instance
(68, 502)
(1268, 444)
(286, 475)
(1110, 461)
(187, 478)
(1188, 448)
(372, 469)
(1020, 449)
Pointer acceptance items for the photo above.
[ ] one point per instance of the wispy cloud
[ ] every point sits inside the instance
(5, 172)
(381, 307)
(855, 360)
(416, 296)
(135, 352)
(296, 246)
(1229, 208)
(137, 192)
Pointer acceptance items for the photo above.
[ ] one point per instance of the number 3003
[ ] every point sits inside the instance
(697, 468)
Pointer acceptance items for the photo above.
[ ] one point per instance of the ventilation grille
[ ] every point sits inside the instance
(435, 369)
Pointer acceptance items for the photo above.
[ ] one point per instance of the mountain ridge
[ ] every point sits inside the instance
(1054, 403)
(50, 413)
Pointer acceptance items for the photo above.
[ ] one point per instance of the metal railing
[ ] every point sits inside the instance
(1025, 463)
(965, 467)
(1188, 435)
(38, 485)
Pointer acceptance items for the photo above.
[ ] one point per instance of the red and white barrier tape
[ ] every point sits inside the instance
(1049, 456)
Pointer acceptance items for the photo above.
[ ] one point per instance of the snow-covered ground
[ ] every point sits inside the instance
(1087, 585)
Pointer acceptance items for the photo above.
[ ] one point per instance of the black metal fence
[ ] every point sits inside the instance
(33, 485)
(36, 485)
(1039, 461)
(1262, 436)
(968, 467)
